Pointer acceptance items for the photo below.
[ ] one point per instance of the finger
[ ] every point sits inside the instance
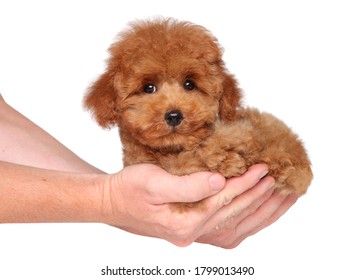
(223, 234)
(198, 186)
(235, 219)
(238, 185)
(266, 215)
(281, 210)
(167, 188)
(242, 205)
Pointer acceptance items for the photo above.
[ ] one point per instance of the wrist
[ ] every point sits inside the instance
(83, 200)
(109, 206)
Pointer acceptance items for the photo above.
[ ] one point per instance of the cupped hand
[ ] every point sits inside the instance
(138, 199)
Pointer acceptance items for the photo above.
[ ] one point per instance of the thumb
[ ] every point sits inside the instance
(167, 188)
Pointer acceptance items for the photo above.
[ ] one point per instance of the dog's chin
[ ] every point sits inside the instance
(175, 141)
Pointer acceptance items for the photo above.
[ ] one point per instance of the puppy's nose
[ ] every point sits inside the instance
(174, 117)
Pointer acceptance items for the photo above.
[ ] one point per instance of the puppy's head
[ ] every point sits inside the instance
(165, 85)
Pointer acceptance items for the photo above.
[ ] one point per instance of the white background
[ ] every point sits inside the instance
(292, 58)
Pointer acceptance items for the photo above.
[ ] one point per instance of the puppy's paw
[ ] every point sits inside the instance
(228, 163)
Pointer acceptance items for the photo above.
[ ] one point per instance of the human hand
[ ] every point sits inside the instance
(246, 215)
(138, 199)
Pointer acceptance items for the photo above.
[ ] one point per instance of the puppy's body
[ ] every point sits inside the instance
(253, 138)
(176, 106)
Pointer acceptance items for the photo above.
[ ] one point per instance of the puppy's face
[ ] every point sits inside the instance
(170, 114)
(165, 86)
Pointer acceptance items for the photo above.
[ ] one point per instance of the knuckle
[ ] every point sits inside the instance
(226, 200)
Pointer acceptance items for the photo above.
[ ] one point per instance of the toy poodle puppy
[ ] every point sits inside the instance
(176, 106)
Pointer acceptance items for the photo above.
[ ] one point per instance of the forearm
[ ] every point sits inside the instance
(30, 194)
(23, 142)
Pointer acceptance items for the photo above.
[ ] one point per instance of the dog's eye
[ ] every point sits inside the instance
(188, 85)
(149, 88)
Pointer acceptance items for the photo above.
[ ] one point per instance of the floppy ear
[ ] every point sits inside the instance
(101, 101)
(230, 99)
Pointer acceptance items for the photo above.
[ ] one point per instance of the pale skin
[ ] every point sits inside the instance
(43, 181)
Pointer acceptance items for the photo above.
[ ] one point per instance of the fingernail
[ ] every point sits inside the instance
(263, 174)
(271, 184)
(216, 182)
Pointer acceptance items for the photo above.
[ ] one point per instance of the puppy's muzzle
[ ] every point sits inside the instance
(174, 117)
